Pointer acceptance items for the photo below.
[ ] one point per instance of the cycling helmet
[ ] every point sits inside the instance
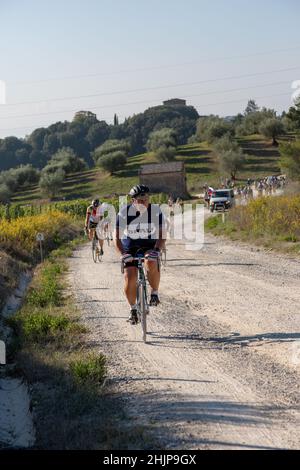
(96, 203)
(139, 190)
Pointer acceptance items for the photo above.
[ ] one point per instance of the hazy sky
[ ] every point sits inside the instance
(133, 54)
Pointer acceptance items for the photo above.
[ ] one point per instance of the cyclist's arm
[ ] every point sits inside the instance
(118, 243)
(87, 218)
(160, 243)
(121, 225)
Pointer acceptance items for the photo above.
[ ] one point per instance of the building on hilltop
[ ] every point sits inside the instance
(174, 102)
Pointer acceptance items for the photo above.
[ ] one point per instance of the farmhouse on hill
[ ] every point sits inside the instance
(174, 102)
(165, 178)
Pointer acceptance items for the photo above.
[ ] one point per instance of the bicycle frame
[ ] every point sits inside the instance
(104, 231)
(95, 248)
(141, 295)
(142, 300)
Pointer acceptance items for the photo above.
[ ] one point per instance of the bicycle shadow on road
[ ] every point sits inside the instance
(233, 419)
(190, 265)
(262, 338)
(236, 339)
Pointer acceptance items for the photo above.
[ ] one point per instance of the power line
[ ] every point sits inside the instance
(242, 100)
(119, 92)
(100, 107)
(153, 88)
(95, 95)
(162, 67)
(39, 126)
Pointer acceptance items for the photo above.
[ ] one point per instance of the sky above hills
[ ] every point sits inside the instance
(124, 56)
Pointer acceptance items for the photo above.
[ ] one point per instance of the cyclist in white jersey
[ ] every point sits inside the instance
(94, 216)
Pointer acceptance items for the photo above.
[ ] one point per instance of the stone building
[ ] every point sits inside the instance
(174, 102)
(165, 178)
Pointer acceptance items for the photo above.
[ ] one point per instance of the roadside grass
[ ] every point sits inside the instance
(273, 222)
(73, 405)
(19, 250)
(10, 271)
(65, 376)
(49, 290)
(91, 369)
(45, 316)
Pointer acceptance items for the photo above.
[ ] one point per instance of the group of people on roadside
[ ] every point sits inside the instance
(262, 187)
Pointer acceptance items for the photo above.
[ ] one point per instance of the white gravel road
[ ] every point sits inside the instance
(221, 369)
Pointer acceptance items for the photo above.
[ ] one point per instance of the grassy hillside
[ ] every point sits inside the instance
(201, 167)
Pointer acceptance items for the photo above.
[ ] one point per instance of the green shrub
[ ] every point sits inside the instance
(49, 291)
(37, 326)
(91, 369)
(213, 222)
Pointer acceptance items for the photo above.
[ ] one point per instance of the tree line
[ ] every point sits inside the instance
(223, 135)
(51, 152)
(85, 133)
(47, 155)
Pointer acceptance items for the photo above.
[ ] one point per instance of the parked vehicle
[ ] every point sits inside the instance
(221, 199)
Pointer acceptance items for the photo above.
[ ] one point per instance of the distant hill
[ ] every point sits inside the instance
(201, 167)
(85, 133)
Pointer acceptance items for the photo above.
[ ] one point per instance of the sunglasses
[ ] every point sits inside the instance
(141, 198)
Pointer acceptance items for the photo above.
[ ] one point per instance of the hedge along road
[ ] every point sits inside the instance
(221, 369)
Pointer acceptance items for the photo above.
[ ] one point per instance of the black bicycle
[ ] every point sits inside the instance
(141, 293)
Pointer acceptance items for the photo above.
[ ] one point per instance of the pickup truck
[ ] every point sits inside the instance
(221, 199)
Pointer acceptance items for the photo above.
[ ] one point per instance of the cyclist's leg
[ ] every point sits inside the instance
(130, 278)
(101, 242)
(91, 233)
(153, 274)
(106, 232)
(99, 235)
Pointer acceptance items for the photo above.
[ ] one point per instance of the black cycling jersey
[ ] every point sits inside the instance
(139, 229)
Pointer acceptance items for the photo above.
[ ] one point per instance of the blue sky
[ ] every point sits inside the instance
(134, 54)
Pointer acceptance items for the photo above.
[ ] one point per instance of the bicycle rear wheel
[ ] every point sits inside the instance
(94, 250)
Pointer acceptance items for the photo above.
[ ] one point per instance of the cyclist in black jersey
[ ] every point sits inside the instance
(140, 227)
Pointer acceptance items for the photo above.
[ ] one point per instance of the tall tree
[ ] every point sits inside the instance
(163, 144)
(251, 107)
(290, 159)
(212, 127)
(112, 155)
(51, 183)
(272, 128)
(98, 133)
(230, 156)
(66, 159)
(294, 115)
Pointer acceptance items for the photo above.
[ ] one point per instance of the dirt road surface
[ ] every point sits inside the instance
(221, 367)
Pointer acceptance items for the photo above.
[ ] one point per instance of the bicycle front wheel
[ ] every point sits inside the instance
(143, 307)
(164, 257)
